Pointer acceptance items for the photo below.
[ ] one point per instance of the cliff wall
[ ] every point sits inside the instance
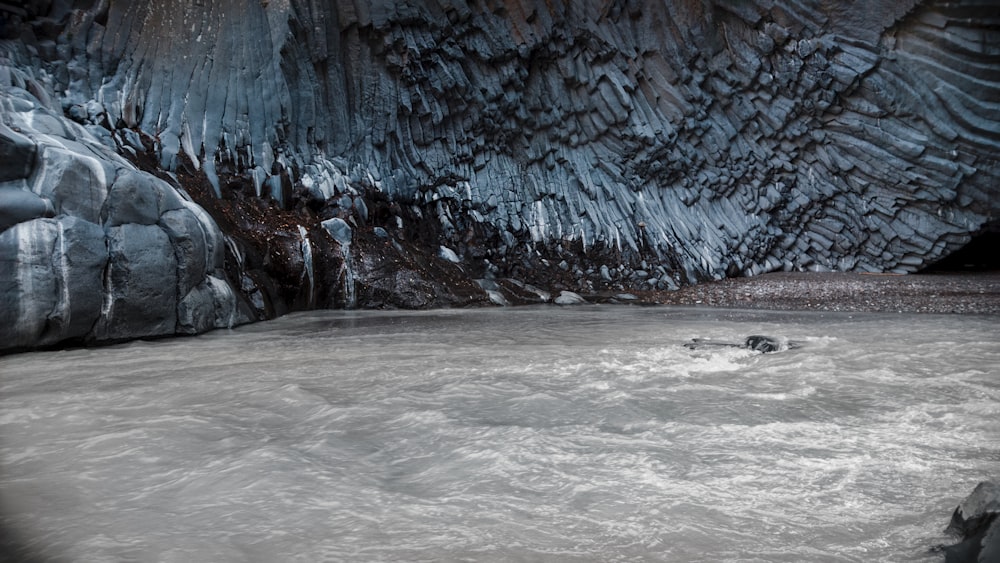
(570, 145)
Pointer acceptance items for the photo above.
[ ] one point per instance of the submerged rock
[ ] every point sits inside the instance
(756, 342)
(764, 344)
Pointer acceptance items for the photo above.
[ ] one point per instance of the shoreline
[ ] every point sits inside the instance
(933, 292)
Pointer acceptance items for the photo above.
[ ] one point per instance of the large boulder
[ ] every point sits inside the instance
(17, 154)
(19, 205)
(51, 281)
(976, 521)
(76, 183)
(142, 288)
(92, 249)
(138, 197)
(28, 286)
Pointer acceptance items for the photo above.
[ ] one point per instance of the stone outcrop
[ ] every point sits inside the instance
(976, 523)
(569, 145)
(92, 249)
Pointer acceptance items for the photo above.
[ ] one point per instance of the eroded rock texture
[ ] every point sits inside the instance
(93, 249)
(571, 145)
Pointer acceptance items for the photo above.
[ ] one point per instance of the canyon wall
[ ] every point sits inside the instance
(445, 152)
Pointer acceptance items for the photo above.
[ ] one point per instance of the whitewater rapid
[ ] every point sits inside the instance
(527, 434)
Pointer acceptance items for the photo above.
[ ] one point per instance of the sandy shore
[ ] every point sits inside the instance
(945, 292)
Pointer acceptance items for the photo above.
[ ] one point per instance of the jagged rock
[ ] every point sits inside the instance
(709, 139)
(153, 268)
(976, 521)
(339, 230)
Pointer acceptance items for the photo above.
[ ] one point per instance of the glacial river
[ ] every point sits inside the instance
(588, 433)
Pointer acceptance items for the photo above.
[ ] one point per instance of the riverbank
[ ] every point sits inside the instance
(938, 292)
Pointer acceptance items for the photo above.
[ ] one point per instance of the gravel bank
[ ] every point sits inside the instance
(944, 292)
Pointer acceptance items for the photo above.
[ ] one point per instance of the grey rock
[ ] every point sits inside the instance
(79, 261)
(52, 280)
(18, 205)
(17, 154)
(756, 342)
(76, 183)
(339, 230)
(190, 249)
(29, 290)
(142, 284)
(448, 254)
(140, 198)
(569, 298)
(976, 521)
(212, 304)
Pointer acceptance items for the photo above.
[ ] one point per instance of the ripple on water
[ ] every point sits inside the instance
(599, 436)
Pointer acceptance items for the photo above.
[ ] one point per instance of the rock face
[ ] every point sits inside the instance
(570, 145)
(976, 522)
(91, 248)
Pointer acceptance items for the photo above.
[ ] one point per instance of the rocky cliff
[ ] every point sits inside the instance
(171, 166)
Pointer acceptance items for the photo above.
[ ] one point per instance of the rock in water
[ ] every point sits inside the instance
(976, 522)
(763, 344)
(756, 342)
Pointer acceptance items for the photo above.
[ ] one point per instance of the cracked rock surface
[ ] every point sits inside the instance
(579, 146)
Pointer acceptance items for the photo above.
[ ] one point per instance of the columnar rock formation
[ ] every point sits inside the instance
(92, 248)
(597, 143)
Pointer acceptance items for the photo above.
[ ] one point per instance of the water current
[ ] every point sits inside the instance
(587, 433)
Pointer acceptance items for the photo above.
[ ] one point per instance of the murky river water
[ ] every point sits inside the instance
(528, 434)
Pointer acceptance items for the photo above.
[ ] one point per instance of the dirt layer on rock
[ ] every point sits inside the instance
(938, 292)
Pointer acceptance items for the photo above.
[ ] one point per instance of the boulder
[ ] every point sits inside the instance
(79, 261)
(188, 239)
(975, 521)
(18, 205)
(51, 281)
(142, 284)
(212, 304)
(76, 183)
(569, 298)
(138, 197)
(17, 154)
(29, 289)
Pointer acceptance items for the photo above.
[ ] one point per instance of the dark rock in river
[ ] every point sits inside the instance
(756, 342)
(764, 344)
(976, 522)
(586, 146)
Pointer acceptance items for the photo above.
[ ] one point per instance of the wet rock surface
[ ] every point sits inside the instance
(976, 522)
(91, 248)
(436, 153)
